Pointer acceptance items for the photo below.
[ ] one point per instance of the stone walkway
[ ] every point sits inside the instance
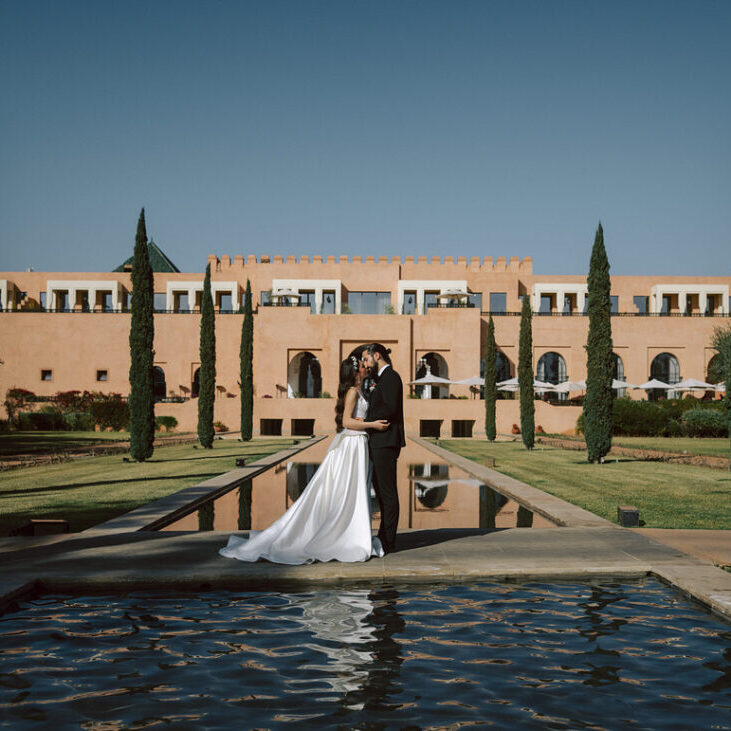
(585, 548)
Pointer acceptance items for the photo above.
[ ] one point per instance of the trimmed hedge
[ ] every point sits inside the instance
(705, 423)
(665, 418)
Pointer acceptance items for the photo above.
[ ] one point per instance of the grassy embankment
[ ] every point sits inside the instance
(682, 445)
(89, 491)
(667, 495)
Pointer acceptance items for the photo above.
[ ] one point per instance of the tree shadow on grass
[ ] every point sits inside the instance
(98, 483)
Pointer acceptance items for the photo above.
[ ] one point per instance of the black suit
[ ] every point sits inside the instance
(387, 402)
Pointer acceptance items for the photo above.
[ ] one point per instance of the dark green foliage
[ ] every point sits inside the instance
(705, 423)
(655, 418)
(111, 411)
(525, 375)
(722, 343)
(246, 359)
(141, 338)
(490, 381)
(599, 362)
(207, 388)
(167, 422)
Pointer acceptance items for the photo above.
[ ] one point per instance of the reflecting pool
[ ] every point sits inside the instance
(529, 656)
(432, 494)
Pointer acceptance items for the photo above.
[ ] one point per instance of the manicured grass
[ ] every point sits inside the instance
(41, 442)
(90, 491)
(667, 495)
(712, 447)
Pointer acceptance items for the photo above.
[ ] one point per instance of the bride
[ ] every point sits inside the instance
(331, 519)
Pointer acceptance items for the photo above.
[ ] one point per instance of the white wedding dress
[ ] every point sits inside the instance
(331, 520)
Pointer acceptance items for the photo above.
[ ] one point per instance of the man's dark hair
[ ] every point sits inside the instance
(385, 353)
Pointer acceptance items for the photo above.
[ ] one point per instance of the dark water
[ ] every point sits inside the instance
(527, 656)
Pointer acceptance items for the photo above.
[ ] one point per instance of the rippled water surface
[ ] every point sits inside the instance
(528, 656)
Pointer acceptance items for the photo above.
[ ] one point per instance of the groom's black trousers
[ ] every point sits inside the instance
(384, 483)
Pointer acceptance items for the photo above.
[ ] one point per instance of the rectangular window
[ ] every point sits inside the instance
(546, 304)
(270, 427)
(430, 300)
(642, 304)
(430, 427)
(409, 303)
(369, 303)
(328, 303)
(613, 304)
(62, 301)
(106, 301)
(180, 302)
(160, 302)
(43, 300)
(666, 304)
(225, 302)
(102, 375)
(307, 299)
(46, 375)
(475, 300)
(498, 302)
(265, 297)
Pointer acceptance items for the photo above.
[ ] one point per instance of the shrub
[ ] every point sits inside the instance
(219, 426)
(110, 411)
(46, 420)
(4, 426)
(78, 421)
(169, 422)
(15, 400)
(705, 423)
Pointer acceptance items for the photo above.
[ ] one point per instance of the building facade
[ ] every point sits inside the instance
(66, 331)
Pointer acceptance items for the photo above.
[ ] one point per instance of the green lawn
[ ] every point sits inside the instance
(667, 495)
(40, 442)
(90, 491)
(712, 447)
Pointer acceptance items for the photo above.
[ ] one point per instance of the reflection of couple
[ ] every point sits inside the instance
(331, 519)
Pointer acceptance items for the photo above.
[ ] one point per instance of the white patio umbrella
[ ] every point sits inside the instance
(720, 387)
(277, 293)
(474, 381)
(691, 384)
(654, 383)
(449, 293)
(567, 386)
(430, 380)
(512, 385)
(622, 384)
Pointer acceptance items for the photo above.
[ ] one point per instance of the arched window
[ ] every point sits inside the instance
(305, 376)
(435, 365)
(159, 387)
(196, 385)
(552, 369)
(618, 374)
(502, 372)
(665, 368)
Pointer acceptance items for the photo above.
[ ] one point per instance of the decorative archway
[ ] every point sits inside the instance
(551, 368)
(304, 376)
(714, 371)
(435, 364)
(159, 386)
(665, 368)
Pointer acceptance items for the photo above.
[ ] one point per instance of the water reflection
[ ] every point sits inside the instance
(433, 495)
(537, 656)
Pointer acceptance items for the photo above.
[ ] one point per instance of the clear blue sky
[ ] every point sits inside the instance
(386, 128)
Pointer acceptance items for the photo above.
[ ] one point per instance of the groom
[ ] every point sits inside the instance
(386, 402)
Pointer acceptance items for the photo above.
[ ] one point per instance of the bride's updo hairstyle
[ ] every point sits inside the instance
(348, 372)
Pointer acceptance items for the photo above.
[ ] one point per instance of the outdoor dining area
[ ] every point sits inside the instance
(429, 386)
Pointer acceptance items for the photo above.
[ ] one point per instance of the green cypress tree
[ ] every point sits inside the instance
(525, 375)
(207, 387)
(246, 358)
(490, 382)
(141, 339)
(722, 344)
(599, 362)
